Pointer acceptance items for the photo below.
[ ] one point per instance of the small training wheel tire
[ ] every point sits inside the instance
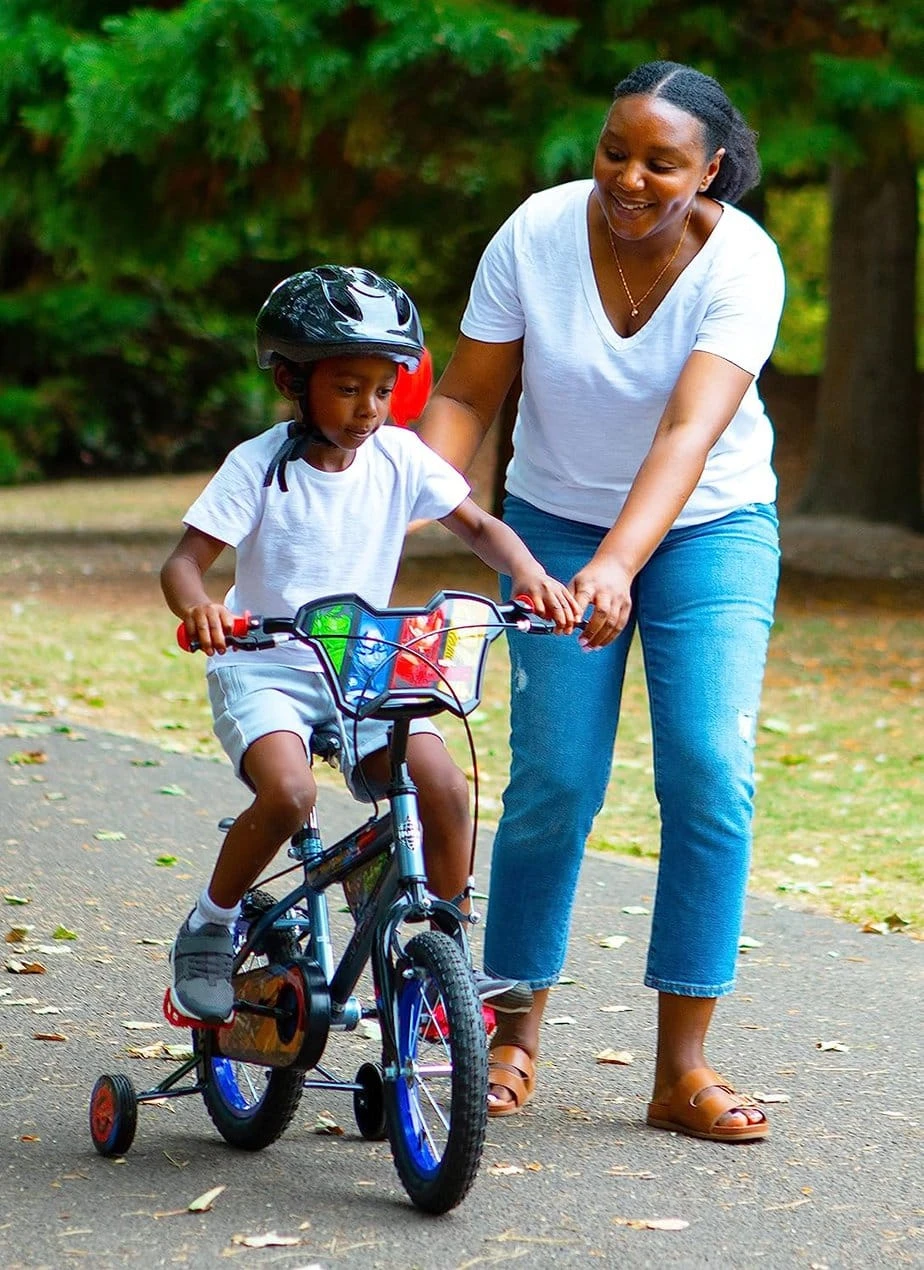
(113, 1114)
(369, 1103)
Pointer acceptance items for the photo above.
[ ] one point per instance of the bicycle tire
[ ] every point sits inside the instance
(250, 1106)
(437, 1082)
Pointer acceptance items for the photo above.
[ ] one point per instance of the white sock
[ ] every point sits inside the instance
(207, 910)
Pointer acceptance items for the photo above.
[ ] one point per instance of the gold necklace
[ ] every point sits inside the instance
(633, 303)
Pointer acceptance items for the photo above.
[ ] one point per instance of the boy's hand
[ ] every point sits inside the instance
(208, 624)
(550, 598)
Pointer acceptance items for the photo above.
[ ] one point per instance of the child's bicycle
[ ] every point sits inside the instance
(428, 1095)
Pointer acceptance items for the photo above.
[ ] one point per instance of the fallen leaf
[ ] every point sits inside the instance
(134, 1025)
(837, 1046)
(205, 1202)
(564, 1020)
(48, 1036)
(326, 1123)
(30, 1137)
(62, 932)
(109, 835)
(651, 1223)
(637, 910)
(504, 1170)
(775, 725)
(49, 1009)
(269, 1240)
(622, 1057)
(759, 1097)
(895, 922)
(17, 934)
(24, 758)
(15, 899)
(166, 861)
(614, 941)
(614, 1009)
(175, 791)
(17, 967)
(746, 942)
(369, 1030)
(887, 926)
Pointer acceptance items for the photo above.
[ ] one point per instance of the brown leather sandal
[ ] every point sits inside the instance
(512, 1069)
(683, 1114)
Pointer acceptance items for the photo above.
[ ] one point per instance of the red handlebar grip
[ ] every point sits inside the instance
(526, 602)
(240, 626)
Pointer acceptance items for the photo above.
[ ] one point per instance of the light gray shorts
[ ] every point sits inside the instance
(250, 701)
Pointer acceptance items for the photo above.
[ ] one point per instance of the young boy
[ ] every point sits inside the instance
(315, 507)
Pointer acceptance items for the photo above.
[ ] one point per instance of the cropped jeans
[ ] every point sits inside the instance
(703, 608)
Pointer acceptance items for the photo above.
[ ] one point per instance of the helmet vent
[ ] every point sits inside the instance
(343, 302)
(403, 308)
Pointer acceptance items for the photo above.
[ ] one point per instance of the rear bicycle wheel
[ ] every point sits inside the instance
(249, 1105)
(437, 1082)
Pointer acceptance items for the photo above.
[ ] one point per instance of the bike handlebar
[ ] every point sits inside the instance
(396, 661)
(519, 613)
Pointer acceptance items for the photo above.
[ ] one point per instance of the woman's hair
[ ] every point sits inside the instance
(724, 126)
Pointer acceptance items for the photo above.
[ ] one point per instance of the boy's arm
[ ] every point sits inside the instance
(181, 580)
(502, 549)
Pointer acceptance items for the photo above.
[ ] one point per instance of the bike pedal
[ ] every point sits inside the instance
(176, 1019)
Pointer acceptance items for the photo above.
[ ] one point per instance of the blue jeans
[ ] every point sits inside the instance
(703, 607)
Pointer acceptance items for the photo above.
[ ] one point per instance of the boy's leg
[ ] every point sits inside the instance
(277, 769)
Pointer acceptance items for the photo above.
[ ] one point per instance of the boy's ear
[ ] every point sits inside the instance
(289, 382)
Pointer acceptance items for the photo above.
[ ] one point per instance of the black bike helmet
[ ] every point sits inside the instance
(338, 311)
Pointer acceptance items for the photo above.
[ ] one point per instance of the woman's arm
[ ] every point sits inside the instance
(467, 398)
(703, 403)
(181, 580)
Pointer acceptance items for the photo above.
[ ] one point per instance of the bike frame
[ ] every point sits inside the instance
(398, 894)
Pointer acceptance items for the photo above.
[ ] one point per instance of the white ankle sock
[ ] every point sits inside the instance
(207, 910)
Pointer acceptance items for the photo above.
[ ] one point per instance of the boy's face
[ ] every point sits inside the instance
(349, 397)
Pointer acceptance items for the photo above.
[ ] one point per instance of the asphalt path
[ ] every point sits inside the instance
(108, 839)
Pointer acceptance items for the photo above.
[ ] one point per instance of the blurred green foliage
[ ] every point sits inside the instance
(165, 165)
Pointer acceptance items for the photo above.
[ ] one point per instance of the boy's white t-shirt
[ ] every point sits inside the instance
(592, 399)
(332, 532)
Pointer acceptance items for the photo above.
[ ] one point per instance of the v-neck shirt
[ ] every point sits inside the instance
(592, 398)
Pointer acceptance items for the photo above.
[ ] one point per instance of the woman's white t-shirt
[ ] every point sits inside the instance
(591, 398)
(333, 532)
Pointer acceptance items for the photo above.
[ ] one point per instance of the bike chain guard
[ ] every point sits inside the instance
(291, 1021)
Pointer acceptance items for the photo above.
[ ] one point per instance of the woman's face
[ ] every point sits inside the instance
(650, 164)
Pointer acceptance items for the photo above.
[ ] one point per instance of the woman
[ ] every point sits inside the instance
(639, 308)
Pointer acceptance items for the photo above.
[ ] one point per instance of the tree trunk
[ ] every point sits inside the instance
(867, 452)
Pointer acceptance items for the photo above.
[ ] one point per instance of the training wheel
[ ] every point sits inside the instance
(113, 1114)
(369, 1102)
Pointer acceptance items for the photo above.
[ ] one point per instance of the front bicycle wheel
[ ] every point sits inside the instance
(436, 1087)
(249, 1105)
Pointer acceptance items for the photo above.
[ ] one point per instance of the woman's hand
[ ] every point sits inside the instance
(604, 586)
(549, 597)
(207, 624)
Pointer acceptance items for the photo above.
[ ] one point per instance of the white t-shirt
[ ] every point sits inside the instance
(333, 532)
(592, 399)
